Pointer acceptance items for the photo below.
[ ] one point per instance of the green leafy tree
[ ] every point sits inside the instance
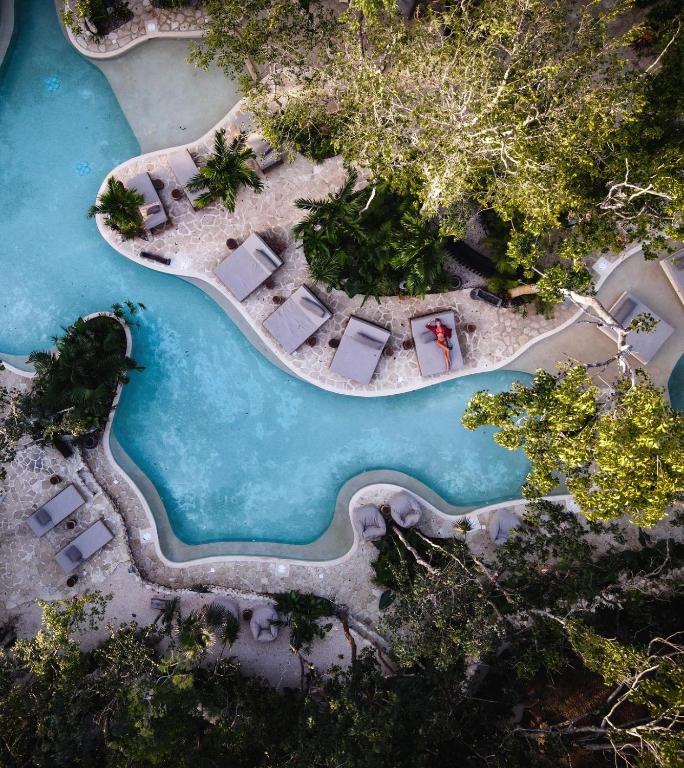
(651, 678)
(619, 453)
(225, 171)
(74, 386)
(121, 208)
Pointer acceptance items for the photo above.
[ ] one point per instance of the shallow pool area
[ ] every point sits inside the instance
(237, 449)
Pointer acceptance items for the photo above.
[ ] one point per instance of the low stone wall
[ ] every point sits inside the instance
(147, 23)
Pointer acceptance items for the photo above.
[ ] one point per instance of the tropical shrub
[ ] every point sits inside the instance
(74, 385)
(121, 208)
(370, 242)
(97, 17)
(225, 171)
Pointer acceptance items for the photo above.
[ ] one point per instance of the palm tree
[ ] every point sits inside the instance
(418, 254)
(224, 172)
(331, 228)
(194, 636)
(224, 624)
(120, 207)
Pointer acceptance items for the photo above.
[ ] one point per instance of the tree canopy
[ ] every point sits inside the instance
(550, 113)
(620, 451)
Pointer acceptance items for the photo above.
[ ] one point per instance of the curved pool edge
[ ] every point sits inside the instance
(6, 26)
(251, 328)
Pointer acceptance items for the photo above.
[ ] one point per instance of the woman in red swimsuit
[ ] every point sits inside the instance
(442, 335)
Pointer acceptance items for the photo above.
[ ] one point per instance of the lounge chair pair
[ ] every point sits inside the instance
(360, 347)
(644, 345)
(152, 209)
(405, 510)
(64, 504)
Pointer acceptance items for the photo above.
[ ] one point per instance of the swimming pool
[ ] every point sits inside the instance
(237, 449)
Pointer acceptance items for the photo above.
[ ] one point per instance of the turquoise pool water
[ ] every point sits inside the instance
(237, 449)
(676, 385)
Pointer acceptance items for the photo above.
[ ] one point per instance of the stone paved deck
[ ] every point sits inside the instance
(196, 243)
(175, 22)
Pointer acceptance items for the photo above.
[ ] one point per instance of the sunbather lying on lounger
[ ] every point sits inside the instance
(442, 335)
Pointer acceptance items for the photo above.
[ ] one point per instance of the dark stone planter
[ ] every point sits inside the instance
(278, 299)
(407, 344)
(470, 327)
(70, 525)
(389, 352)
(270, 283)
(55, 480)
(456, 282)
(311, 341)
(231, 243)
(71, 581)
(158, 184)
(177, 194)
(334, 343)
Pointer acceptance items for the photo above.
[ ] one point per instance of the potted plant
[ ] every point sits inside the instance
(224, 172)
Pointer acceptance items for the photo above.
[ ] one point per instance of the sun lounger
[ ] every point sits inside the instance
(644, 345)
(405, 509)
(152, 210)
(57, 509)
(430, 356)
(674, 269)
(370, 522)
(184, 169)
(264, 624)
(247, 267)
(297, 319)
(360, 350)
(266, 156)
(501, 523)
(83, 547)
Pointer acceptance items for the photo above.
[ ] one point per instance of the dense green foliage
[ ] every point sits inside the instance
(12, 424)
(224, 172)
(143, 697)
(620, 452)
(121, 208)
(371, 241)
(74, 385)
(551, 114)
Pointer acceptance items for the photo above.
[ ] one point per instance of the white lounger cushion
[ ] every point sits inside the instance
(54, 511)
(263, 624)
(297, 319)
(184, 168)
(142, 183)
(501, 523)
(84, 546)
(370, 522)
(644, 345)
(360, 350)
(430, 356)
(405, 509)
(250, 264)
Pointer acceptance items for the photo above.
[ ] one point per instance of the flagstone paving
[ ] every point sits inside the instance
(195, 241)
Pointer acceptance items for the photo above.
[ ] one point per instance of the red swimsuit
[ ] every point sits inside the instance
(442, 329)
